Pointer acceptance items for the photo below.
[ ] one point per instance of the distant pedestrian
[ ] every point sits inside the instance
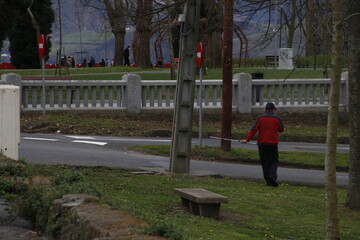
(102, 63)
(268, 125)
(127, 56)
(92, 62)
(84, 63)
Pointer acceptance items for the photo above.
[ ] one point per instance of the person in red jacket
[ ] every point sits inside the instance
(268, 125)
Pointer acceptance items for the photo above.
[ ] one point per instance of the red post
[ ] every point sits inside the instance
(199, 56)
(41, 45)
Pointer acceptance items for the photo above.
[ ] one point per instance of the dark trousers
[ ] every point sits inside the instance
(269, 161)
(127, 61)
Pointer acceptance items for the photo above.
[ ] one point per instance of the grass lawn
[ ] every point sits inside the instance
(310, 126)
(113, 73)
(254, 211)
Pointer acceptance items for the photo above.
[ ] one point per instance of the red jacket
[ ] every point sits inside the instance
(268, 126)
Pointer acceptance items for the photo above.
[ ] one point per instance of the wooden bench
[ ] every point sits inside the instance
(270, 60)
(201, 202)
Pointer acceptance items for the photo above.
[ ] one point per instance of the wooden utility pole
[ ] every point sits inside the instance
(184, 105)
(226, 115)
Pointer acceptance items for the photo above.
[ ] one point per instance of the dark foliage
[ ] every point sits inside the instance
(23, 39)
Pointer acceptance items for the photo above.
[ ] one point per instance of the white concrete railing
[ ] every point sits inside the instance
(133, 95)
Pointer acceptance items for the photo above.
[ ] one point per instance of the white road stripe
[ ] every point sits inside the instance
(80, 137)
(137, 140)
(90, 142)
(41, 139)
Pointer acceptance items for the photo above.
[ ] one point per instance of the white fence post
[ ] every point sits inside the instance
(244, 104)
(10, 121)
(133, 93)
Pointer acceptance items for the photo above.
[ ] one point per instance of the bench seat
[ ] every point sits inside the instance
(201, 202)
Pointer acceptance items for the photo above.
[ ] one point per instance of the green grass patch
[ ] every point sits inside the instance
(254, 211)
(116, 73)
(309, 126)
(238, 155)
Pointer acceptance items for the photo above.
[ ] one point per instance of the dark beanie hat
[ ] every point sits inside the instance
(270, 106)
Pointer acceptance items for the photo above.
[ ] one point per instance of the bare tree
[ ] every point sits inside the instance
(226, 114)
(331, 199)
(213, 32)
(309, 30)
(353, 19)
(291, 20)
(80, 22)
(142, 15)
(116, 13)
(35, 24)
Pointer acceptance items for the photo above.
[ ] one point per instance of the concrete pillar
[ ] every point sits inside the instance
(244, 92)
(133, 93)
(12, 79)
(10, 121)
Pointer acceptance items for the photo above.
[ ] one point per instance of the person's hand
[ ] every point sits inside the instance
(243, 141)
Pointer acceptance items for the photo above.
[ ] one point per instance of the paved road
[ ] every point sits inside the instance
(112, 152)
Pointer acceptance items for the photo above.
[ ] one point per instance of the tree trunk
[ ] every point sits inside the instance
(332, 219)
(119, 45)
(116, 15)
(144, 49)
(353, 196)
(143, 27)
(213, 31)
(226, 114)
(292, 24)
(214, 49)
(58, 57)
(171, 53)
(309, 31)
(325, 26)
(35, 25)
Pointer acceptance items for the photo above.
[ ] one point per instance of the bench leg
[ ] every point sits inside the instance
(185, 202)
(210, 210)
(192, 206)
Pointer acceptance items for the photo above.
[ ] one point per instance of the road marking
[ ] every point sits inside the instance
(80, 137)
(136, 140)
(41, 139)
(90, 142)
